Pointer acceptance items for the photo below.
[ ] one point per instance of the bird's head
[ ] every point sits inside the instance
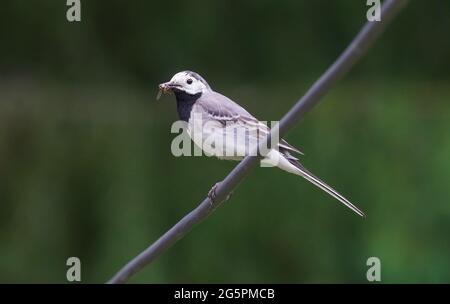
(185, 82)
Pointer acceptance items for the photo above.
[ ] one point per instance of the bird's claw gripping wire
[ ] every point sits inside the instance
(213, 195)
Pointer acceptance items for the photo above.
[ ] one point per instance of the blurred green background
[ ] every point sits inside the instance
(85, 162)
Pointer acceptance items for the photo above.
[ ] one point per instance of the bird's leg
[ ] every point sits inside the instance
(213, 195)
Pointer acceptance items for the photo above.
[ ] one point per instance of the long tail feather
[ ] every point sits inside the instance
(302, 171)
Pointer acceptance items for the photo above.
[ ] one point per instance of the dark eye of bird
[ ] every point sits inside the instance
(189, 81)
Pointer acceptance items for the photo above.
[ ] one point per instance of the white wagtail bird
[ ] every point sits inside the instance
(218, 117)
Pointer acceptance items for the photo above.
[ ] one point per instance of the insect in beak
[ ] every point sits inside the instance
(159, 94)
(162, 88)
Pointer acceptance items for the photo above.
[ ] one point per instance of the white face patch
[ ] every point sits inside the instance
(188, 83)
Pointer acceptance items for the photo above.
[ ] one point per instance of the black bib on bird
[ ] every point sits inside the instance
(185, 102)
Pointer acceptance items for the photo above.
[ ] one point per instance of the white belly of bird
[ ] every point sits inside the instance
(215, 139)
(230, 142)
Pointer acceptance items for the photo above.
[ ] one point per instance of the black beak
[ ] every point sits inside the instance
(168, 86)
